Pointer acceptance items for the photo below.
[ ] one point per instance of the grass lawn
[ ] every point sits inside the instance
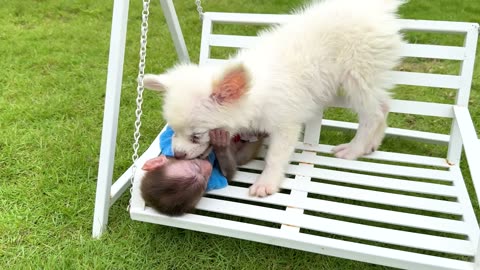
(53, 66)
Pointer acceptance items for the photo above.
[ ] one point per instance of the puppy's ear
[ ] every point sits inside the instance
(154, 163)
(156, 82)
(234, 83)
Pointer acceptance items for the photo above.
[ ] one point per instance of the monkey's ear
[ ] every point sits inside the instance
(156, 82)
(154, 163)
(234, 83)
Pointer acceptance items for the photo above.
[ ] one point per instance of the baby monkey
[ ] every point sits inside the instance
(174, 187)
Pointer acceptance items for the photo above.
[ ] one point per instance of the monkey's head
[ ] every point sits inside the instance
(173, 187)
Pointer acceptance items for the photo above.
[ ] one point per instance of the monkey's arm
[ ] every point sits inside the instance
(226, 161)
(220, 140)
(247, 151)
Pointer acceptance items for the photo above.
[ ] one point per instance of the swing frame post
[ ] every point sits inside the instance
(175, 30)
(106, 193)
(110, 116)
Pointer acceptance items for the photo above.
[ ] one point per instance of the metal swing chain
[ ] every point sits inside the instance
(199, 8)
(140, 88)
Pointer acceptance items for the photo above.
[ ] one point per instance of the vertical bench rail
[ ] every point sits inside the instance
(107, 194)
(205, 46)
(472, 153)
(110, 116)
(463, 94)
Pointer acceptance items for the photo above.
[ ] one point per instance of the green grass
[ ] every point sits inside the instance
(52, 85)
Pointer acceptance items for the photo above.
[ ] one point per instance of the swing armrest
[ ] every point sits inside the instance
(471, 143)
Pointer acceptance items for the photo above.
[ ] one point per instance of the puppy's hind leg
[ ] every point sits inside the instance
(371, 105)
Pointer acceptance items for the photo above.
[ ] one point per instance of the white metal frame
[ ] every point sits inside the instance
(107, 194)
(399, 236)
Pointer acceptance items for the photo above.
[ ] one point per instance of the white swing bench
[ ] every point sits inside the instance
(394, 209)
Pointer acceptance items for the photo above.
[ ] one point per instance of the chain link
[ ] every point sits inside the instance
(140, 88)
(199, 8)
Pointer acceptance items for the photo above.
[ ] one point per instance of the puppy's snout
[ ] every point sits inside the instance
(180, 155)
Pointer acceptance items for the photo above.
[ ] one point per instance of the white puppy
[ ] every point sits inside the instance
(295, 69)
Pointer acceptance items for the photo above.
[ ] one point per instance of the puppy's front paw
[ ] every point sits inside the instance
(262, 189)
(264, 186)
(351, 151)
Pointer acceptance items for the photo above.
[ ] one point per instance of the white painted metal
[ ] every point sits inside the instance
(385, 182)
(470, 42)
(434, 51)
(204, 47)
(360, 231)
(110, 117)
(464, 199)
(360, 194)
(366, 180)
(350, 210)
(409, 50)
(477, 259)
(120, 186)
(471, 143)
(410, 25)
(175, 30)
(426, 79)
(232, 41)
(421, 108)
(454, 144)
(467, 65)
(246, 18)
(369, 167)
(306, 242)
(401, 209)
(395, 132)
(438, 26)
(411, 107)
(381, 155)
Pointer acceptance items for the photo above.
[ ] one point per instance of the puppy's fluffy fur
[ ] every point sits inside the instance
(295, 69)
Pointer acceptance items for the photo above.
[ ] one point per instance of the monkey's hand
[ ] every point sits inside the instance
(220, 140)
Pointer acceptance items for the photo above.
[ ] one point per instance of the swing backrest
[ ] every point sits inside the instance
(415, 78)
